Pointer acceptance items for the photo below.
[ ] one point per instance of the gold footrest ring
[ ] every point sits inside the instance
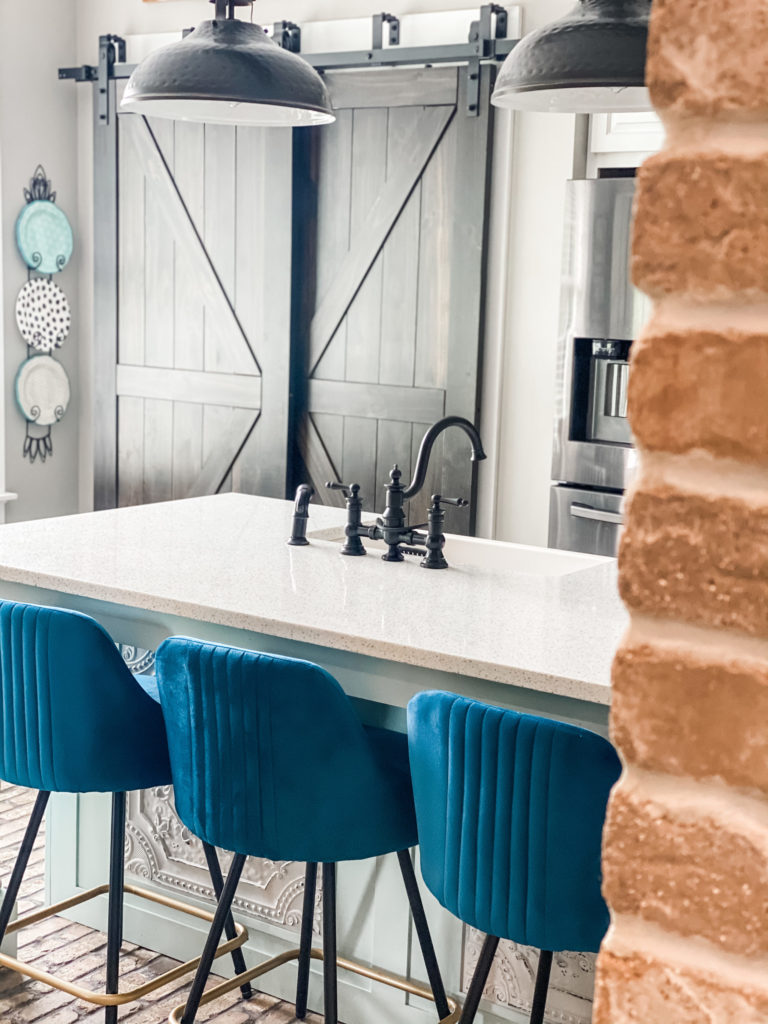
(130, 995)
(373, 973)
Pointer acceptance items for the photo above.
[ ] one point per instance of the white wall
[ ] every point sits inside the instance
(136, 16)
(529, 243)
(37, 125)
(543, 148)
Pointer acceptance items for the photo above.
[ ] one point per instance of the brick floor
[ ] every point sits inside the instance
(78, 953)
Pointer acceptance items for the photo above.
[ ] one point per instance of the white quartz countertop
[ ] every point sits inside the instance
(223, 559)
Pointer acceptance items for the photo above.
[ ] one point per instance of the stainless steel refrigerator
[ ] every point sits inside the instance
(601, 314)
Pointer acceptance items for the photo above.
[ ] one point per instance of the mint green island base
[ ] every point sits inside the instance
(506, 624)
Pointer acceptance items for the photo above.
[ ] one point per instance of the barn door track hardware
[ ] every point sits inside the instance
(488, 43)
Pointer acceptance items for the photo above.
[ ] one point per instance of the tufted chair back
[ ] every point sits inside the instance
(270, 758)
(72, 717)
(510, 811)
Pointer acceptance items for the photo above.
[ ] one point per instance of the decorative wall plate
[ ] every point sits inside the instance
(42, 390)
(44, 236)
(42, 314)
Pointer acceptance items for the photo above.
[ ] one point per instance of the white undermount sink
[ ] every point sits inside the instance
(472, 552)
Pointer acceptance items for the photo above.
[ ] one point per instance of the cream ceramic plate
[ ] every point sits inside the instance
(42, 314)
(42, 390)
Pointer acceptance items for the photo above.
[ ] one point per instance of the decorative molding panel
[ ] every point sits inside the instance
(512, 976)
(161, 850)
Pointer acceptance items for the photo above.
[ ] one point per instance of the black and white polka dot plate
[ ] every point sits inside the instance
(42, 314)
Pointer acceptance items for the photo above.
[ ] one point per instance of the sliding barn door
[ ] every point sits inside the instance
(204, 294)
(393, 335)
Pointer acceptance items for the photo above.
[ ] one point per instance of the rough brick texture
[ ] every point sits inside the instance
(701, 389)
(709, 59)
(678, 711)
(701, 225)
(694, 874)
(696, 557)
(685, 860)
(641, 989)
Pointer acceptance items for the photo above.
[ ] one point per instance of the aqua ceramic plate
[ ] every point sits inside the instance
(44, 236)
(42, 314)
(42, 390)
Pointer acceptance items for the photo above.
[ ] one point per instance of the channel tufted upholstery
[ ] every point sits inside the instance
(271, 760)
(510, 811)
(74, 719)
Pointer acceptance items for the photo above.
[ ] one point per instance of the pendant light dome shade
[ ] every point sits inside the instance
(228, 72)
(589, 61)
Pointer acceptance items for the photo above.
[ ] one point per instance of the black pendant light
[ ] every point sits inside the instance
(228, 71)
(591, 60)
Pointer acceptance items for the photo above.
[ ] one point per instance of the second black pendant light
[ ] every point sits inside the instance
(591, 60)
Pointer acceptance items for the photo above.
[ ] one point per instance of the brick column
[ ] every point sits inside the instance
(686, 841)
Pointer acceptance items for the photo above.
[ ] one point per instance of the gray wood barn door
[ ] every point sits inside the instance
(204, 279)
(393, 337)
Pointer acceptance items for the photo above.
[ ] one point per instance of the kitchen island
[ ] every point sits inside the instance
(520, 627)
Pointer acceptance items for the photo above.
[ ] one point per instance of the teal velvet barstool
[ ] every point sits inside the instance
(75, 720)
(270, 759)
(510, 812)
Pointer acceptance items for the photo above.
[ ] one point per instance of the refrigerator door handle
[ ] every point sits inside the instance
(598, 514)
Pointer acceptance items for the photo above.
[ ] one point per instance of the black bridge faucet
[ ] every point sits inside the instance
(391, 527)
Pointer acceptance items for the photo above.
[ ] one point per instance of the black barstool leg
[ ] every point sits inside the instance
(330, 995)
(305, 945)
(238, 960)
(115, 912)
(479, 978)
(542, 986)
(214, 936)
(17, 875)
(423, 933)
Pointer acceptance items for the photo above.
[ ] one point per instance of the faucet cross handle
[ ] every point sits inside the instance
(348, 490)
(435, 559)
(354, 528)
(438, 499)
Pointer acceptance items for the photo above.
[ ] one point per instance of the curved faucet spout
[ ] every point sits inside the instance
(425, 449)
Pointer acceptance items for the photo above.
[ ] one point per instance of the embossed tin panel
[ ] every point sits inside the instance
(161, 850)
(511, 981)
